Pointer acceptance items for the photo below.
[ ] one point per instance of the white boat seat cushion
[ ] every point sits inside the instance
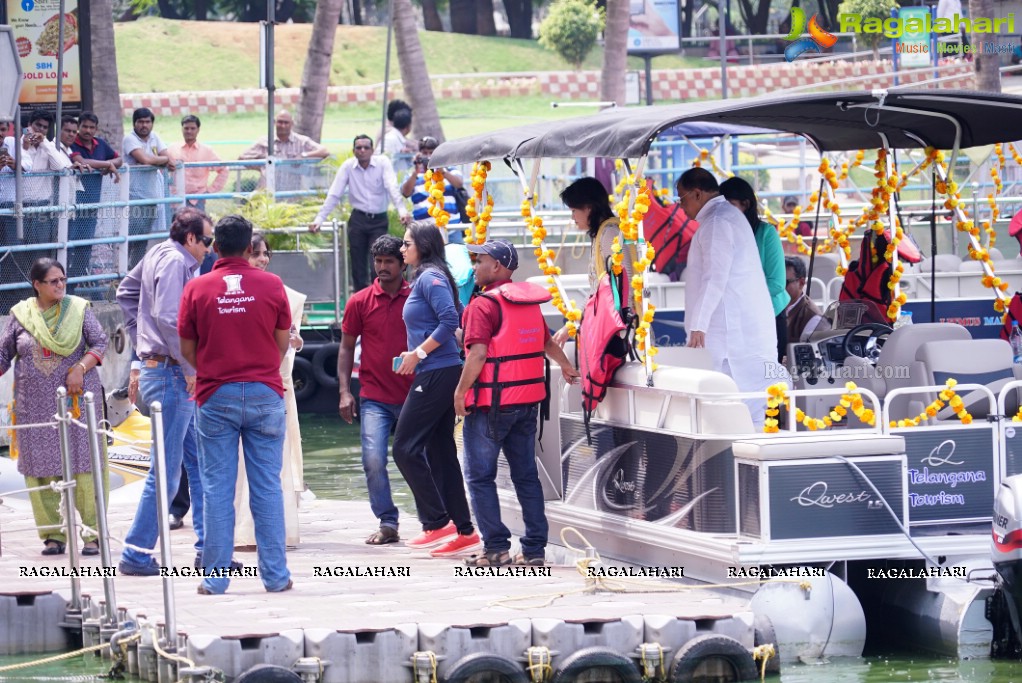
(898, 366)
(817, 446)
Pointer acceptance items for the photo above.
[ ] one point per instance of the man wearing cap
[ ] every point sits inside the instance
(502, 386)
(369, 180)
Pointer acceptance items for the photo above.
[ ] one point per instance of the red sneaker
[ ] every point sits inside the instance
(428, 539)
(458, 545)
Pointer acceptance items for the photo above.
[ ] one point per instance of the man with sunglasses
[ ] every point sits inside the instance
(369, 181)
(150, 298)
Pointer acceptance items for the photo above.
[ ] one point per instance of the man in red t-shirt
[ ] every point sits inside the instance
(374, 313)
(234, 325)
(502, 384)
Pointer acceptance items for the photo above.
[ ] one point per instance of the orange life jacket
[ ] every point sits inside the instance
(602, 343)
(516, 371)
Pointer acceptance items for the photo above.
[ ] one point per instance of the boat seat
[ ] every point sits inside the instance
(970, 282)
(817, 446)
(898, 366)
(716, 416)
(946, 286)
(975, 361)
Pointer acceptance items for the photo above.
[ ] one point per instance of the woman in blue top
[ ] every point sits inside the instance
(771, 253)
(424, 448)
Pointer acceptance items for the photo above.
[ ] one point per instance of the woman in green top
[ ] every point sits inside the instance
(771, 253)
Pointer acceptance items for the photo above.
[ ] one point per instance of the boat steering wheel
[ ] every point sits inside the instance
(870, 349)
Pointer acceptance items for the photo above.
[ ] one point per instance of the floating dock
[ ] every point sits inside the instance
(379, 614)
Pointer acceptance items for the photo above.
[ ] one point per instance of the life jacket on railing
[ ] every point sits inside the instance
(603, 341)
(516, 371)
(670, 231)
(868, 276)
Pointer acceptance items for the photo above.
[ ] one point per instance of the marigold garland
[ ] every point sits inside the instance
(629, 218)
(777, 395)
(545, 258)
(946, 397)
(480, 221)
(435, 184)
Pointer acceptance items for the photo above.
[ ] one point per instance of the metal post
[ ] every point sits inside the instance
(337, 273)
(19, 218)
(70, 517)
(386, 79)
(648, 59)
(98, 485)
(60, 70)
(722, 27)
(160, 465)
(270, 18)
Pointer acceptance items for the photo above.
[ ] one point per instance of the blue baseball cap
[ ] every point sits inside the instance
(502, 251)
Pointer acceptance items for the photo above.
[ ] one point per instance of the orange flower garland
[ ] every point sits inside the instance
(630, 217)
(545, 259)
(476, 232)
(777, 395)
(946, 397)
(435, 185)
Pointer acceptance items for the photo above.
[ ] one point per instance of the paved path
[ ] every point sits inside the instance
(332, 536)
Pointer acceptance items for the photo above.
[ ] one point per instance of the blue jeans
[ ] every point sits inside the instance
(377, 420)
(166, 383)
(512, 429)
(253, 413)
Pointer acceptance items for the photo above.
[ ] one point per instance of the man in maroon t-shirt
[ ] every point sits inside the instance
(374, 313)
(234, 324)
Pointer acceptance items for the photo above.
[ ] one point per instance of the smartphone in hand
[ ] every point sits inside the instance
(397, 362)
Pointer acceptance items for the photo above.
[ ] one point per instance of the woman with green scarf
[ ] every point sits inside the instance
(58, 343)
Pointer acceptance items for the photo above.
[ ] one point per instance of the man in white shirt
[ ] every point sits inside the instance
(142, 147)
(370, 182)
(8, 224)
(727, 304)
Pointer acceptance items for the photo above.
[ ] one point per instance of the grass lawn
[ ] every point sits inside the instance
(159, 55)
(230, 134)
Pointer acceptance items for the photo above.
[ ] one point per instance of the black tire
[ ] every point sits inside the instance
(268, 673)
(694, 654)
(484, 663)
(303, 379)
(575, 664)
(324, 365)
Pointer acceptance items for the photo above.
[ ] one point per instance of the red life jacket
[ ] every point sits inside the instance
(1013, 313)
(670, 231)
(516, 371)
(601, 346)
(865, 279)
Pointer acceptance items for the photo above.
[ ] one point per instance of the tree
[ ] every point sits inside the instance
(485, 25)
(106, 93)
(519, 18)
(755, 14)
(431, 16)
(571, 29)
(615, 52)
(870, 9)
(463, 16)
(987, 67)
(414, 74)
(316, 75)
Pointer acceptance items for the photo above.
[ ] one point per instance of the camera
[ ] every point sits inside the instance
(420, 160)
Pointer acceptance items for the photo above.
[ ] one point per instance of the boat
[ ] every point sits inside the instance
(896, 441)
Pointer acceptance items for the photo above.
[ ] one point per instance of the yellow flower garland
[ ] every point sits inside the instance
(628, 223)
(434, 183)
(777, 395)
(545, 259)
(476, 232)
(946, 397)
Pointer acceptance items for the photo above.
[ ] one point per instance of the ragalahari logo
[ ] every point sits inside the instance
(816, 41)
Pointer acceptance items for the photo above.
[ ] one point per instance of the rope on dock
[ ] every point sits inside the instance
(54, 658)
(764, 652)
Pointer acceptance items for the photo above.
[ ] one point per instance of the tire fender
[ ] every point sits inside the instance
(268, 673)
(702, 647)
(304, 379)
(577, 663)
(324, 365)
(469, 666)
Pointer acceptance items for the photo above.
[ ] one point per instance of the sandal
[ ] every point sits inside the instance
(53, 547)
(90, 548)
(385, 535)
(522, 560)
(495, 558)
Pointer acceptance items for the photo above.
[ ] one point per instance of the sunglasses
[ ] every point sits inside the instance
(206, 240)
(56, 281)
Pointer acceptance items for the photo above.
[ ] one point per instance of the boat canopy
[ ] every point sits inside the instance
(946, 119)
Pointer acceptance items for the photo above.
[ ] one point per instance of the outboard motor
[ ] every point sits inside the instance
(1005, 607)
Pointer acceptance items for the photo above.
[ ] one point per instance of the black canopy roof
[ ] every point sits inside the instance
(832, 121)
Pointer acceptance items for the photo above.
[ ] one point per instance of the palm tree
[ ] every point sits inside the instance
(316, 76)
(106, 94)
(615, 52)
(988, 75)
(414, 74)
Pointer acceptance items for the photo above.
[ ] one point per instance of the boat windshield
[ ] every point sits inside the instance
(844, 315)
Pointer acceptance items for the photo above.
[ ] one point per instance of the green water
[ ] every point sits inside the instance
(333, 469)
